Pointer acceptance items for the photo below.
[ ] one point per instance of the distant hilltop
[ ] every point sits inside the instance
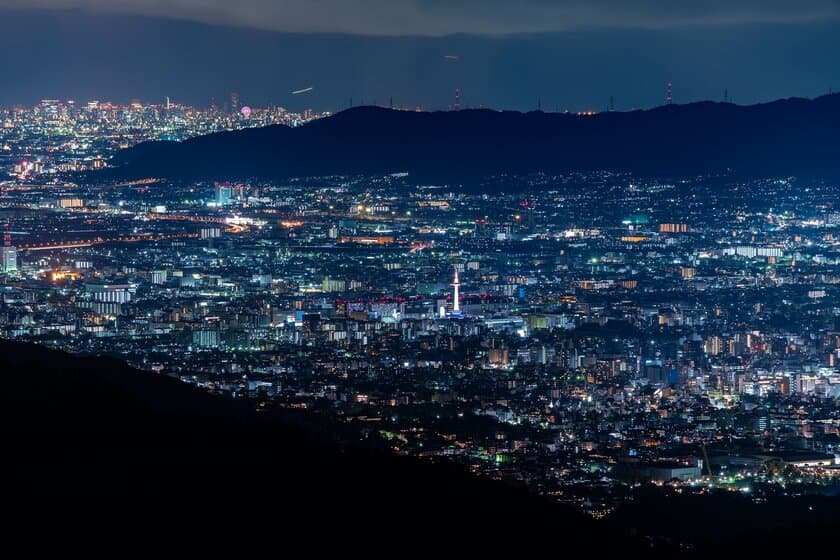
(786, 137)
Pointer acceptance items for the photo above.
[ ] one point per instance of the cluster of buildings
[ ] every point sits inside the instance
(579, 334)
(44, 142)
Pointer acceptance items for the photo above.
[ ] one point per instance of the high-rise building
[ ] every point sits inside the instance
(9, 258)
(673, 228)
(8, 254)
(111, 293)
(713, 345)
(206, 338)
(223, 194)
(330, 285)
(210, 232)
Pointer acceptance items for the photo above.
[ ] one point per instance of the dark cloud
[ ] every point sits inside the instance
(443, 17)
(81, 56)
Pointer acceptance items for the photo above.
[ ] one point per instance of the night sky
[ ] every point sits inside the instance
(564, 54)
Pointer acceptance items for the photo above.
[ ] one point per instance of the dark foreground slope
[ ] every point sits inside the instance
(786, 137)
(99, 459)
(98, 456)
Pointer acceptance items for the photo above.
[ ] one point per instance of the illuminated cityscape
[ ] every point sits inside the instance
(39, 143)
(684, 334)
(513, 279)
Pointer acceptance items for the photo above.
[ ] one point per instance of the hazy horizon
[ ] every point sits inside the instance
(84, 56)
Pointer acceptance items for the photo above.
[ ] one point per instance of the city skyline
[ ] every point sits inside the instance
(600, 316)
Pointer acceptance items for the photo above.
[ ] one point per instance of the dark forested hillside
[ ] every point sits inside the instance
(98, 455)
(787, 137)
(101, 459)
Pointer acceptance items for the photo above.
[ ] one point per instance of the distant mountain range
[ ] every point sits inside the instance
(787, 137)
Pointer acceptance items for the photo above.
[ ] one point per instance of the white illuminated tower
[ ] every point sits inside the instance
(456, 305)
